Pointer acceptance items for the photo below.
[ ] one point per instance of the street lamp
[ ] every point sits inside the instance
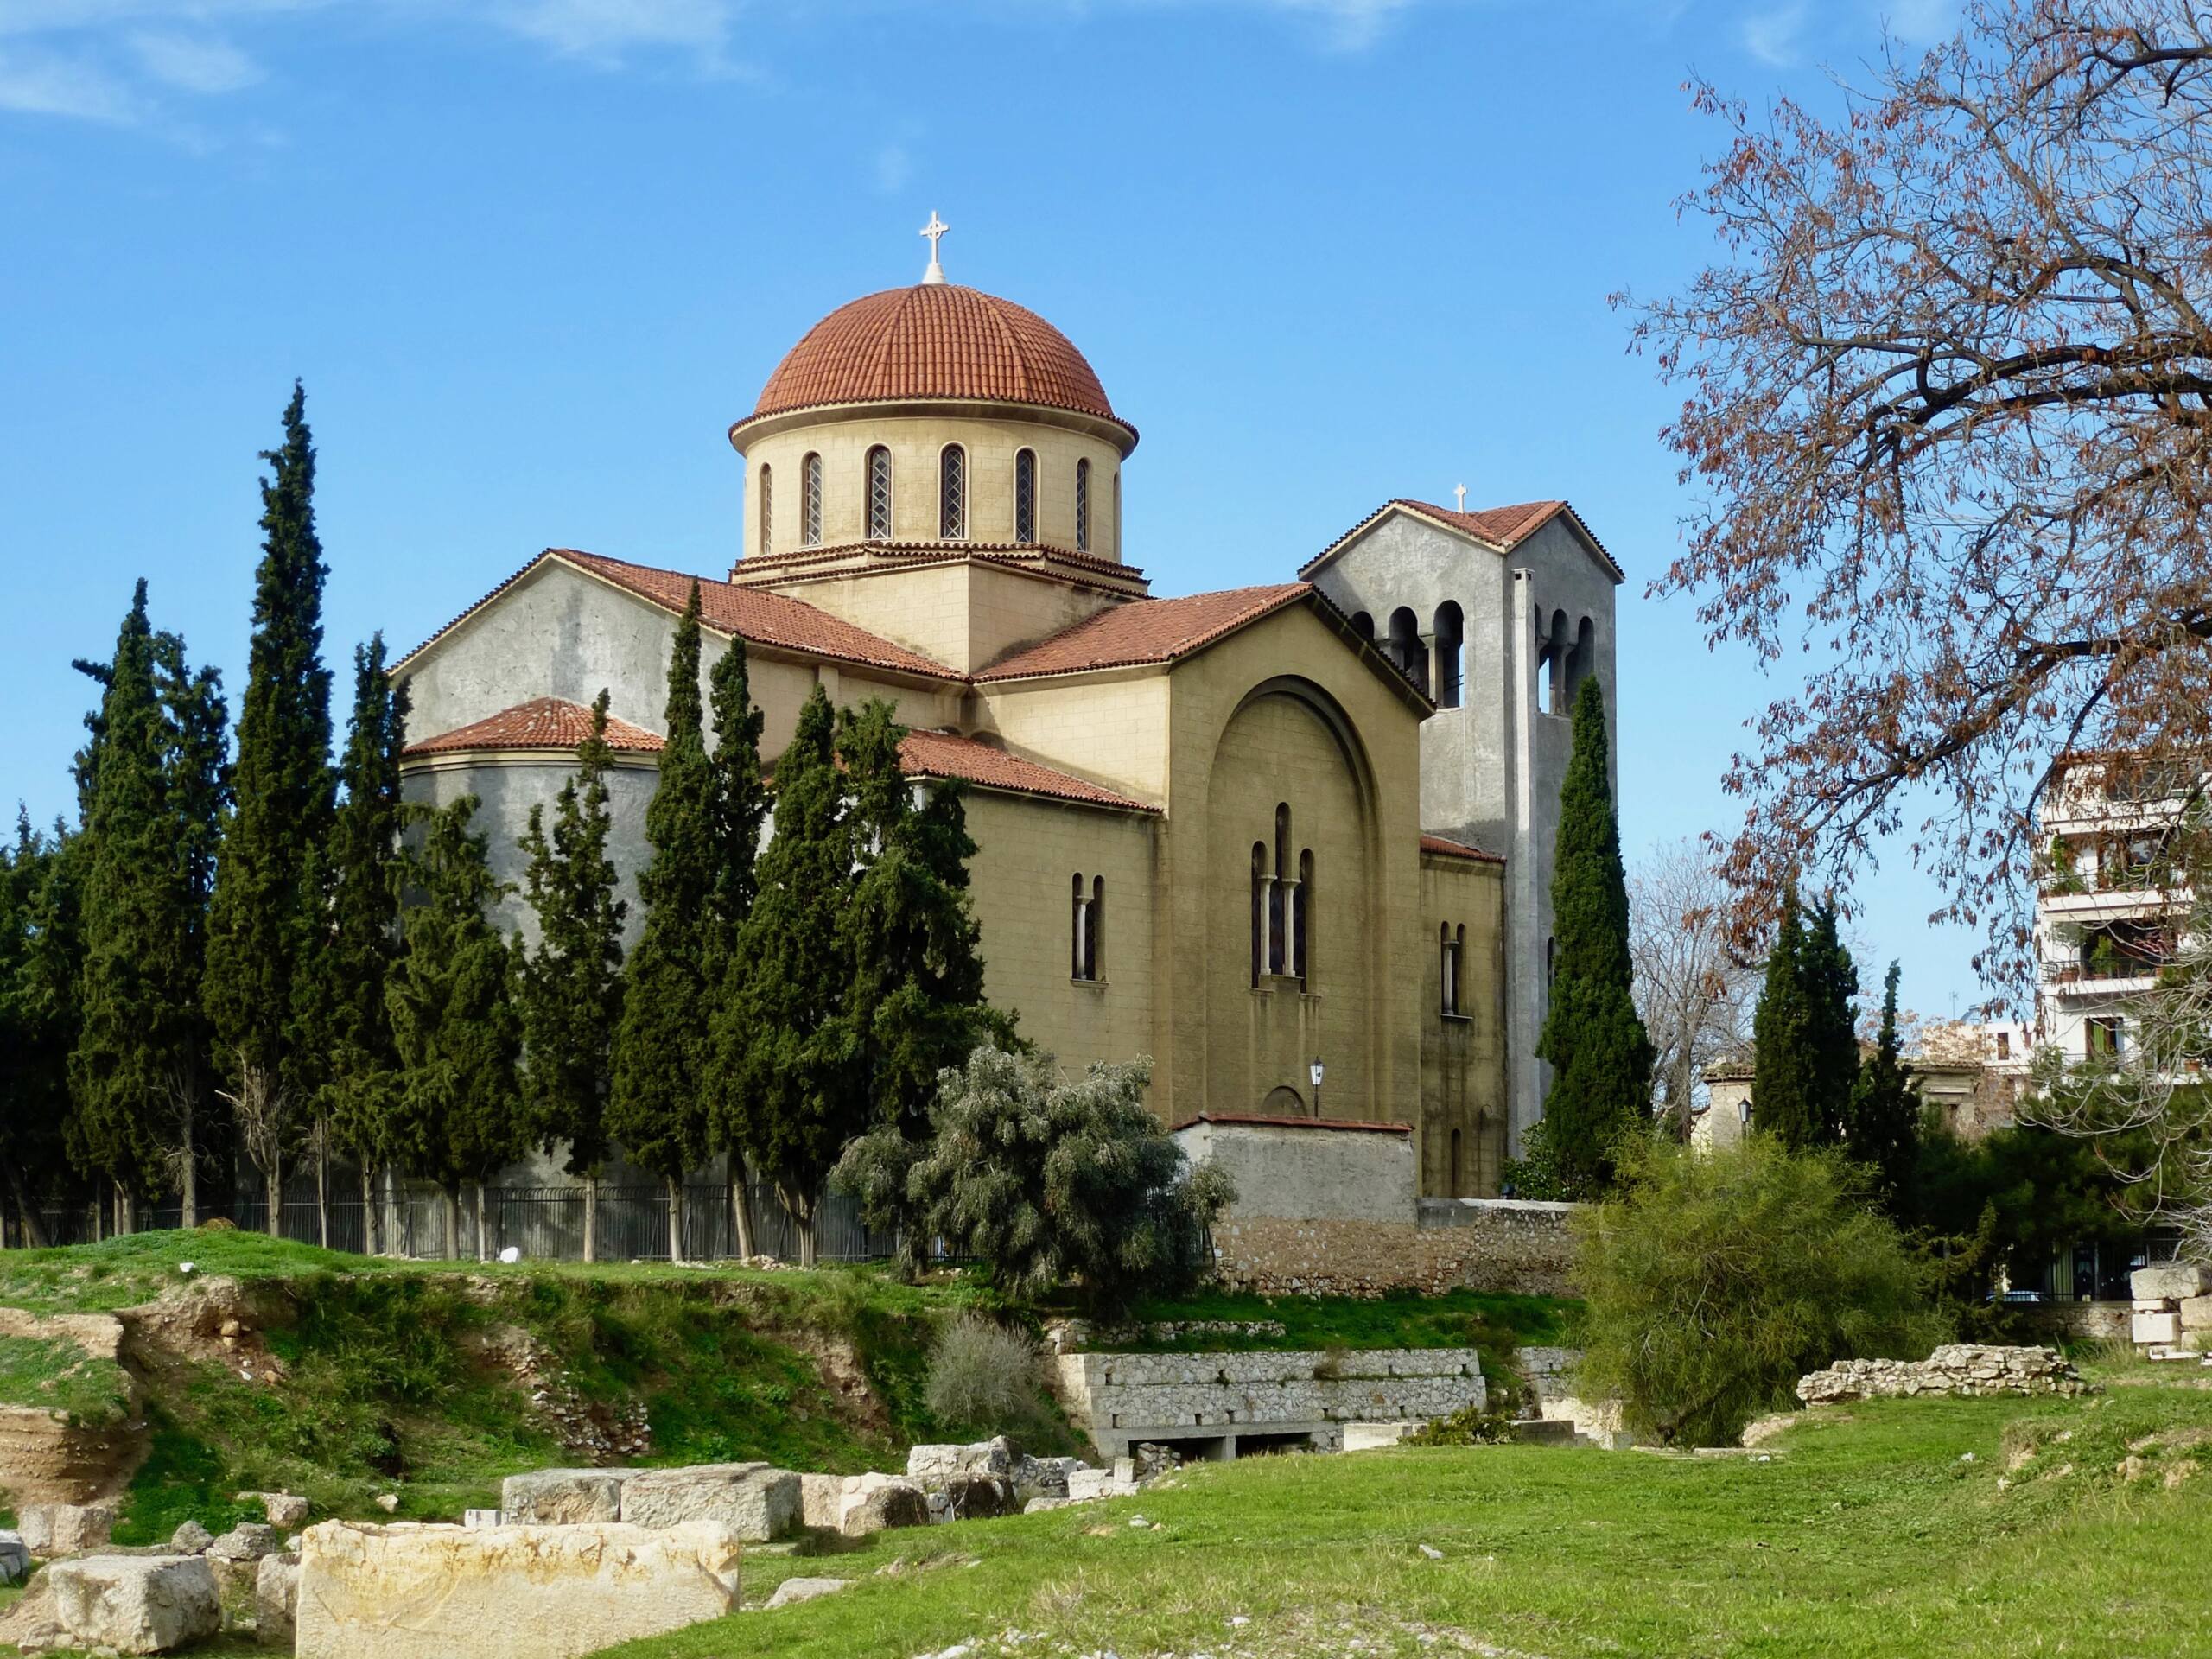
(1314, 1073)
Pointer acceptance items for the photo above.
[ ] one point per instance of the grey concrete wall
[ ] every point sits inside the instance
(1309, 1173)
(1491, 769)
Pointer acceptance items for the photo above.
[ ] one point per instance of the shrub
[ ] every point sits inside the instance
(984, 1380)
(1490, 1425)
(1045, 1180)
(1714, 1281)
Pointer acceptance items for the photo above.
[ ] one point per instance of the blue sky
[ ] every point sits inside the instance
(532, 256)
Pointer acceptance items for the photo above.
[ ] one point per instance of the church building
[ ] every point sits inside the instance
(1293, 841)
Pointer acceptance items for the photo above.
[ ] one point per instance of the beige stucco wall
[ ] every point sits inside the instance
(1463, 1082)
(1308, 1173)
(843, 437)
(1111, 728)
(1022, 880)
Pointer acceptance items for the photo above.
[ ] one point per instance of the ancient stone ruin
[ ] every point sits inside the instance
(1958, 1368)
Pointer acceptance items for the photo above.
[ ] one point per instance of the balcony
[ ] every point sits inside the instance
(2076, 981)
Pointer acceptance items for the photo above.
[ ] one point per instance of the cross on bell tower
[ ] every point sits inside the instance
(1458, 491)
(934, 230)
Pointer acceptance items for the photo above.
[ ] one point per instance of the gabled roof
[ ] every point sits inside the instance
(1147, 630)
(541, 723)
(942, 754)
(758, 618)
(1440, 845)
(1499, 529)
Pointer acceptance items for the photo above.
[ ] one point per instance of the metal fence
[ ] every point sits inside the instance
(542, 1222)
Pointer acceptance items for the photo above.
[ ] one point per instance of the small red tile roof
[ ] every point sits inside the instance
(1503, 528)
(942, 754)
(933, 341)
(1458, 849)
(1264, 1121)
(759, 618)
(1146, 631)
(541, 723)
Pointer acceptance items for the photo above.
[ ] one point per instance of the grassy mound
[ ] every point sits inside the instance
(1883, 1529)
(61, 1377)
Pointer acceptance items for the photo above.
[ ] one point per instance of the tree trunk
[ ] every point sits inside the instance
(273, 1180)
(803, 1215)
(676, 1220)
(321, 1185)
(453, 1223)
(189, 1196)
(483, 1244)
(368, 1209)
(34, 1229)
(591, 1218)
(741, 1205)
(125, 1223)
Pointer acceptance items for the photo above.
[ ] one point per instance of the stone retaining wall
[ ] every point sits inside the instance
(1969, 1369)
(1217, 1399)
(1501, 1244)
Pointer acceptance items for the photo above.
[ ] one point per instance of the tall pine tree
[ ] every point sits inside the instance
(1882, 1128)
(1831, 980)
(658, 1109)
(572, 979)
(796, 1096)
(138, 1067)
(1785, 1091)
(451, 1000)
(37, 1026)
(359, 875)
(265, 925)
(741, 808)
(1600, 1056)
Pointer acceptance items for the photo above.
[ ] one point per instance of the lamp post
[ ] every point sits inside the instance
(1314, 1073)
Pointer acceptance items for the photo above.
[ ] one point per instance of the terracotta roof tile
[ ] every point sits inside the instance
(941, 754)
(541, 723)
(933, 341)
(759, 618)
(1458, 849)
(1146, 631)
(1503, 528)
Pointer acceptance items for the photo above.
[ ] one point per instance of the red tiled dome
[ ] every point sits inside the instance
(933, 341)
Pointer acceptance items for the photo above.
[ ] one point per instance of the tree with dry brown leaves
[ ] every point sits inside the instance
(1947, 402)
(1694, 989)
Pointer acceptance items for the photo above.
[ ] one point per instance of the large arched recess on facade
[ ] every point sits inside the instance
(1288, 740)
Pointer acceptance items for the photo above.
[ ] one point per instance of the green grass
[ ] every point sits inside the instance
(1864, 1536)
(60, 1376)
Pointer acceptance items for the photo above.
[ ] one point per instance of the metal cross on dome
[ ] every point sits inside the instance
(935, 229)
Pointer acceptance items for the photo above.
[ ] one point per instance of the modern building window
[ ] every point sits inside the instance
(1025, 496)
(1088, 927)
(810, 501)
(878, 494)
(1082, 506)
(1450, 633)
(767, 506)
(2108, 1037)
(952, 494)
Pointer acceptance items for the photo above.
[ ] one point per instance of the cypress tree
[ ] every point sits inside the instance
(910, 937)
(1831, 980)
(1785, 1100)
(1600, 1056)
(571, 984)
(796, 1096)
(657, 1107)
(359, 876)
(741, 808)
(138, 1063)
(265, 926)
(455, 1024)
(1882, 1127)
(37, 1024)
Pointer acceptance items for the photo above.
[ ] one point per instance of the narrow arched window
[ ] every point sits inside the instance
(1282, 900)
(1583, 663)
(1084, 963)
(1095, 922)
(1302, 927)
(1557, 688)
(1115, 544)
(1025, 496)
(1259, 910)
(1082, 506)
(1406, 648)
(767, 506)
(1448, 964)
(1363, 625)
(1450, 633)
(952, 494)
(878, 494)
(810, 501)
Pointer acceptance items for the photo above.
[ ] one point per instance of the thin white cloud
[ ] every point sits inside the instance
(895, 166)
(605, 31)
(1772, 37)
(37, 82)
(194, 65)
(1922, 22)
